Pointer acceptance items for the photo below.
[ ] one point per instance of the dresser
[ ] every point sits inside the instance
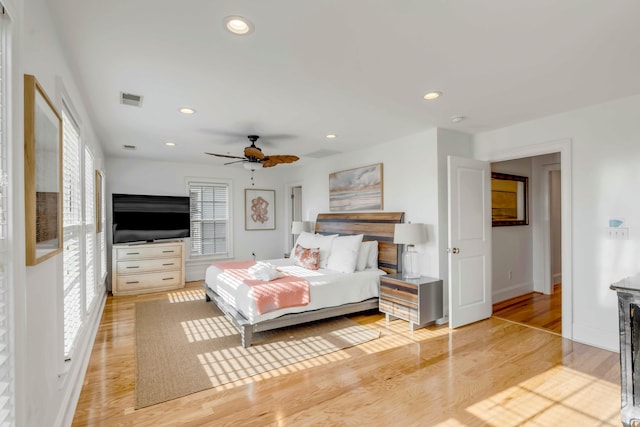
(418, 301)
(150, 267)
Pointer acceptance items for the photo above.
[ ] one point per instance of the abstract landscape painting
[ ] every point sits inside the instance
(356, 189)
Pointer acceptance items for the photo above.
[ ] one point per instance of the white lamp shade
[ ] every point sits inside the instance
(298, 227)
(409, 234)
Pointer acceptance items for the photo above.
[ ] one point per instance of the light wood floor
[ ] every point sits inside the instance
(491, 373)
(534, 309)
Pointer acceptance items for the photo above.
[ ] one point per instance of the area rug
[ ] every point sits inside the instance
(185, 347)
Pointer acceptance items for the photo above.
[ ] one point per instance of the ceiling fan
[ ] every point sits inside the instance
(254, 155)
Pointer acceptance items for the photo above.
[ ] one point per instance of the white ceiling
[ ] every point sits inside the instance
(356, 68)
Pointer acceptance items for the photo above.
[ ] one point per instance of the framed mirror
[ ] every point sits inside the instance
(42, 174)
(509, 197)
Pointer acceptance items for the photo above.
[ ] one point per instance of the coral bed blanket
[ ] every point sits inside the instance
(287, 291)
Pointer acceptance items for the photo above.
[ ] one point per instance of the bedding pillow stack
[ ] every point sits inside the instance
(340, 253)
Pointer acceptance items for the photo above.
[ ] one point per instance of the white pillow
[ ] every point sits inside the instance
(310, 240)
(344, 253)
(372, 262)
(363, 256)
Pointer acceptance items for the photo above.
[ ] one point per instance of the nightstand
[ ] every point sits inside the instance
(418, 301)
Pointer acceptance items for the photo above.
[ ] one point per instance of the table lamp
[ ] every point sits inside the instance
(409, 235)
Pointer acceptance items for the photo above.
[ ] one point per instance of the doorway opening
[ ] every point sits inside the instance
(527, 259)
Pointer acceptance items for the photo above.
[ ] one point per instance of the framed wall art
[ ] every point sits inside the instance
(259, 209)
(42, 174)
(356, 189)
(509, 200)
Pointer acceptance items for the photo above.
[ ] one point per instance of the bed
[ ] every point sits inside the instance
(331, 293)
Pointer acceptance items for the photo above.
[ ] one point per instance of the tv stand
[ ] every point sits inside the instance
(147, 267)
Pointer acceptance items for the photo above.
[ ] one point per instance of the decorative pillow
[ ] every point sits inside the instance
(308, 258)
(344, 253)
(363, 256)
(310, 240)
(372, 262)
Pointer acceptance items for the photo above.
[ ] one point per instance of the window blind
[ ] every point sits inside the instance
(209, 218)
(72, 228)
(7, 379)
(89, 230)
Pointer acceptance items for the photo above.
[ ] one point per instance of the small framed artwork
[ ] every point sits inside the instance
(356, 189)
(98, 201)
(42, 174)
(259, 209)
(509, 200)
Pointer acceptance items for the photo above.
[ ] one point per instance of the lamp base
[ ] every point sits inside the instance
(410, 264)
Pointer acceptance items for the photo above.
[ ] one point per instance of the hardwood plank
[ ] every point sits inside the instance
(534, 309)
(492, 372)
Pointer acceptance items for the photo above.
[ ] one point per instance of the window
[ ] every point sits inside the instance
(72, 230)
(89, 231)
(7, 387)
(210, 213)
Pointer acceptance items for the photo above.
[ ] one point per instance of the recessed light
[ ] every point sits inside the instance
(238, 25)
(331, 136)
(457, 119)
(186, 110)
(432, 95)
(170, 144)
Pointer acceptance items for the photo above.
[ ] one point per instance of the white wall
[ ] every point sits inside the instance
(512, 260)
(410, 174)
(132, 176)
(47, 388)
(605, 177)
(555, 222)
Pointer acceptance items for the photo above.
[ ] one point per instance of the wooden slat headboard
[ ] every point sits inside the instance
(374, 226)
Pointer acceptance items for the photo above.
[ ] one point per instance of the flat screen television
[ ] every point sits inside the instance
(146, 218)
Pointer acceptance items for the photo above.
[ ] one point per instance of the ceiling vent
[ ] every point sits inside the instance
(129, 147)
(322, 153)
(130, 99)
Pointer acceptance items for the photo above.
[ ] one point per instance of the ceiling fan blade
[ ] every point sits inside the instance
(225, 155)
(253, 152)
(271, 161)
(237, 161)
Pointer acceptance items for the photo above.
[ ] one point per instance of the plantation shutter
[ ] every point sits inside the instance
(72, 228)
(209, 218)
(7, 386)
(89, 230)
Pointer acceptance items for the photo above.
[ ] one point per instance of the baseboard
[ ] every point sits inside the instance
(511, 292)
(72, 385)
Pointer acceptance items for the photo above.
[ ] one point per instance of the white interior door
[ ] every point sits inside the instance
(469, 241)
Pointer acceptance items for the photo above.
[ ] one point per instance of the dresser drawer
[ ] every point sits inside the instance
(160, 251)
(149, 282)
(149, 265)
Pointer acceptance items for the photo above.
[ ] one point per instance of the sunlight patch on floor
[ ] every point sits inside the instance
(186, 295)
(207, 329)
(581, 398)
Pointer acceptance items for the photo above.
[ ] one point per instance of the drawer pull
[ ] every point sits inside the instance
(167, 263)
(132, 283)
(133, 253)
(168, 278)
(168, 252)
(133, 266)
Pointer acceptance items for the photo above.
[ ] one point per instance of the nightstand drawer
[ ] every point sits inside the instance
(394, 292)
(399, 310)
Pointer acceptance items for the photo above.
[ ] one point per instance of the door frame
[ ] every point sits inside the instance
(563, 146)
(288, 209)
